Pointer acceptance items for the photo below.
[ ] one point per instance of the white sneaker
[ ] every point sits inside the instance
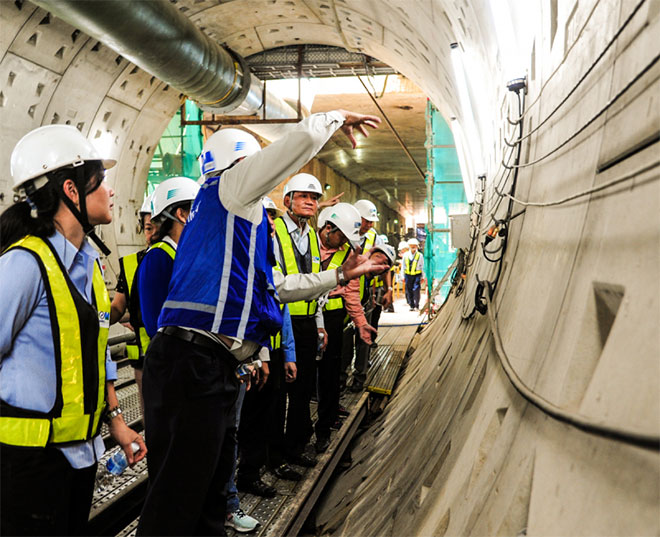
(241, 522)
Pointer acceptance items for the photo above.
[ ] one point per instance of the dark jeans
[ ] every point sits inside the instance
(257, 425)
(412, 289)
(299, 421)
(42, 494)
(189, 395)
(328, 372)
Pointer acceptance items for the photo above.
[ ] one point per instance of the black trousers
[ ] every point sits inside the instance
(298, 420)
(328, 372)
(41, 494)
(261, 432)
(413, 287)
(189, 395)
(375, 317)
(276, 412)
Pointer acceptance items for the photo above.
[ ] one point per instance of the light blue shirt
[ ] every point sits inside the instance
(288, 343)
(27, 354)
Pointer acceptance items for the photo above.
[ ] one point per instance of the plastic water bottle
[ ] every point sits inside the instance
(319, 348)
(118, 462)
(246, 368)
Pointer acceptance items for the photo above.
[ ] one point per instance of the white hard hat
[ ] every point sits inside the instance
(323, 217)
(387, 250)
(224, 147)
(384, 239)
(303, 182)
(413, 242)
(403, 245)
(269, 205)
(49, 148)
(345, 217)
(170, 192)
(146, 205)
(367, 210)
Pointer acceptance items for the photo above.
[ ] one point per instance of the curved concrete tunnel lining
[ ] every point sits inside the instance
(557, 266)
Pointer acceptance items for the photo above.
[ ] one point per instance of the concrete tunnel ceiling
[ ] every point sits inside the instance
(86, 84)
(414, 42)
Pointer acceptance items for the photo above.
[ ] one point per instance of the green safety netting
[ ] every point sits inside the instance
(447, 197)
(178, 149)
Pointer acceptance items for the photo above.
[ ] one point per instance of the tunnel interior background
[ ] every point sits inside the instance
(457, 451)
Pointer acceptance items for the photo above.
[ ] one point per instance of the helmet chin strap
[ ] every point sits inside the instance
(81, 215)
(169, 215)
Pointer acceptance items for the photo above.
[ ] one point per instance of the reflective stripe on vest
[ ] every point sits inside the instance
(72, 423)
(276, 341)
(301, 307)
(370, 240)
(337, 260)
(129, 265)
(411, 271)
(143, 340)
(363, 288)
(165, 246)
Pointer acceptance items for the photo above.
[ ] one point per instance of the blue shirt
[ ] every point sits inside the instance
(154, 274)
(288, 343)
(27, 354)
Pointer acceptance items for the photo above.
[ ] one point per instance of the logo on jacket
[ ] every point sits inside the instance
(104, 319)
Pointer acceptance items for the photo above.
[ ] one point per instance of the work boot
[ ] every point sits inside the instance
(322, 444)
(256, 487)
(301, 459)
(284, 471)
(357, 386)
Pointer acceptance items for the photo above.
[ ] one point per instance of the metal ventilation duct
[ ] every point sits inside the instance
(156, 37)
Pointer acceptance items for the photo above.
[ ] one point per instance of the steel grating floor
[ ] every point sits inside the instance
(392, 343)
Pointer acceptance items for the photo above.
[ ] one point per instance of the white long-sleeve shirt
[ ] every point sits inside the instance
(243, 186)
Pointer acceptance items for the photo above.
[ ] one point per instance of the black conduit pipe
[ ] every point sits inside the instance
(156, 37)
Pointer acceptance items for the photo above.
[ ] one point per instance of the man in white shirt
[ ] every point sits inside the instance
(413, 267)
(297, 251)
(222, 306)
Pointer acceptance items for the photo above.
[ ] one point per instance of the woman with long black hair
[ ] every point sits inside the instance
(55, 370)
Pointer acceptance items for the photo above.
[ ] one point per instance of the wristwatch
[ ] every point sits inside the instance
(340, 277)
(112, 413)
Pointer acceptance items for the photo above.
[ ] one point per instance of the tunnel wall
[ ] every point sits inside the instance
(457, 451)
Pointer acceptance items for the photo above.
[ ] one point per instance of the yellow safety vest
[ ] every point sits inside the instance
(411, 271)
(337, 260)
(77, 411)
(144, 339)
(129, 266)
(276, 341)
(370, 240)
(301, 307)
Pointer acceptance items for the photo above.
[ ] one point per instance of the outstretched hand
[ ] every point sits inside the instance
(331, 202)
(366, 332)
(356, 265)
(354, 121)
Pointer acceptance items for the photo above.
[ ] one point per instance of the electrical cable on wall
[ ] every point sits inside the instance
(609, 104)
(629, 436)
(593, 65)
(598, 188)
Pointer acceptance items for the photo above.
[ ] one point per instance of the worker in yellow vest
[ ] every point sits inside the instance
(128, 266)
(413, 267)
(297, 252)
(338, 234)
(56, 375)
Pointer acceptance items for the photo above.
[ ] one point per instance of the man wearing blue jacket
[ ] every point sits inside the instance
(222, 307)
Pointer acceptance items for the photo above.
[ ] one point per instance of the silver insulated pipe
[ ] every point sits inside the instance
(156, 37)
